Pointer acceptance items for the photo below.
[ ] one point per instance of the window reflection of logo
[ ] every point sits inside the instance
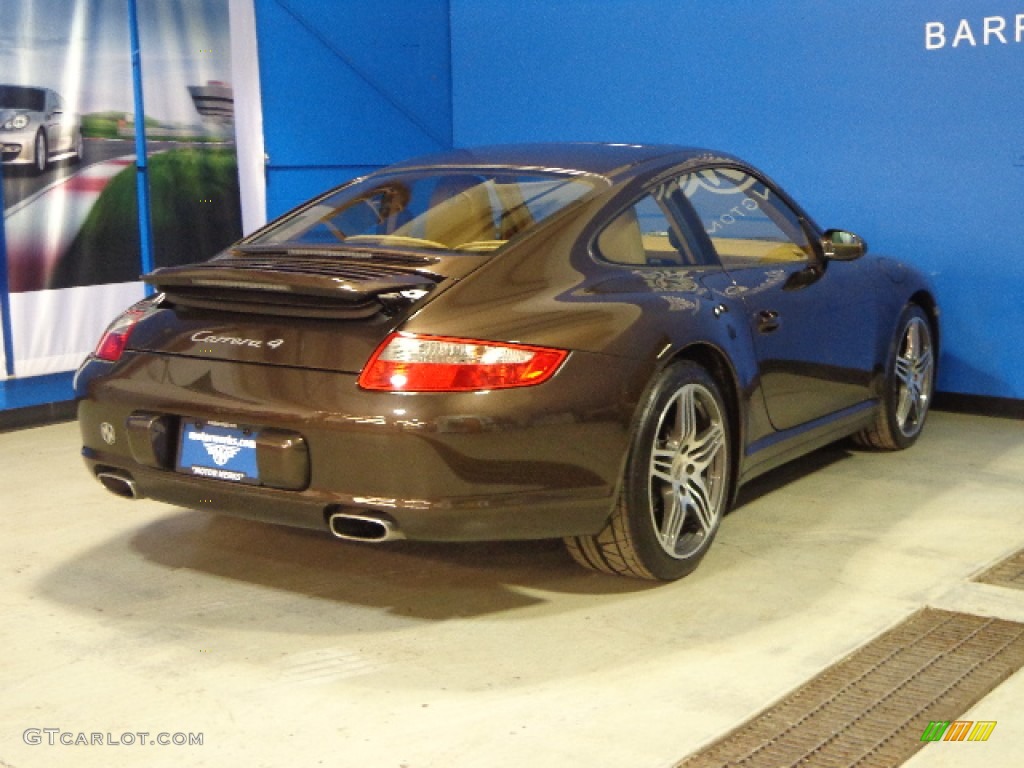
(718, 181)
(221, 454)
(679, 304)
(662, 280)
(771, 278)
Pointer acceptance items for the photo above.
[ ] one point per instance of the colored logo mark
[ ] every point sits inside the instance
(958, 730)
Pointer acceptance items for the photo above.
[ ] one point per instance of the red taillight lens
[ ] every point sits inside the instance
(115, 338)
(412, 363)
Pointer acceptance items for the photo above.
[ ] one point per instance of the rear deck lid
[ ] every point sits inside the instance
(311, 308)
(302, 282)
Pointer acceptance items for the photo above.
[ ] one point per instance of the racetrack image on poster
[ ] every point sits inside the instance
(73, 244)
(71, 215)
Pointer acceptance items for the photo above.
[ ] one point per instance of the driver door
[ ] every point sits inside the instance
(811, 321)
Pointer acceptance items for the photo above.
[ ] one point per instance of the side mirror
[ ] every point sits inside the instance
(840, 245)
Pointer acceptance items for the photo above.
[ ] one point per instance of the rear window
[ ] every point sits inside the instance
(471, 210)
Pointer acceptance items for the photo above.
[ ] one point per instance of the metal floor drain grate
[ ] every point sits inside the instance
(871, 709)
(1008, 573)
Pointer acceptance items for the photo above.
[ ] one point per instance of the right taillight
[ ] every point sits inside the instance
(407, 362)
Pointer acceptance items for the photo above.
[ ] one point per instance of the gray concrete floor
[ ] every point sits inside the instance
(286, 648)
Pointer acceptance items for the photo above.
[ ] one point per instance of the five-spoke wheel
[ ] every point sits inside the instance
(676, 486)
(687, 471)
(907, 393)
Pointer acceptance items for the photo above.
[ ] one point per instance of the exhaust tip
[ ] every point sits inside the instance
(119, 485)
(357, 527)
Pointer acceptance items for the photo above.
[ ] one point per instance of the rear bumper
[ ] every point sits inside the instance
(527, 515)
(529, 463)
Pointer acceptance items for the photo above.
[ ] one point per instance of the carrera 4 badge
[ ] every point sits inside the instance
(207, 337)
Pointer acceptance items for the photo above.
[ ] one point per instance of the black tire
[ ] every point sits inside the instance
(908, 386)
(78, 148)
(41, 158)
(676, 484)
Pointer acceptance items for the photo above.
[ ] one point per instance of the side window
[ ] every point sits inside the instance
(642, 235)
(749, 225)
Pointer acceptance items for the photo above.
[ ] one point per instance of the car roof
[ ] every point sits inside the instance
(612, 161)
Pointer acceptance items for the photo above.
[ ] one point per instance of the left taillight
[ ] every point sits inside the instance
(407, 362)
(115, 339)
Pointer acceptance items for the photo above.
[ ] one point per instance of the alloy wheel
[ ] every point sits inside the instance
(688, 471)
(914, 372)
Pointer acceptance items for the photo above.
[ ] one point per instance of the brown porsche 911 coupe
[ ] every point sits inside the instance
(593, 342)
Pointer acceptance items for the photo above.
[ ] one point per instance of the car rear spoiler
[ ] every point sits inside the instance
(310, 287)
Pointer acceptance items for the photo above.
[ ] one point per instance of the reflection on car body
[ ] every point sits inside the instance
(36, 128)
(594, 342)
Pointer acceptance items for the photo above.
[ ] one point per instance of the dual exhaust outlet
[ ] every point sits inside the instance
(348, 526)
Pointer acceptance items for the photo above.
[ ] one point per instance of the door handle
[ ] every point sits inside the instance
(768, 321)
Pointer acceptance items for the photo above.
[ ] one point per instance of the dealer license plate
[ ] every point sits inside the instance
(218, 450)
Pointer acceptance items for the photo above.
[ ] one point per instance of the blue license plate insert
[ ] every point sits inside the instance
(219, 450)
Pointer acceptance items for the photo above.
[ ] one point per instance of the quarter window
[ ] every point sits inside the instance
(747, 222)
(642, 235)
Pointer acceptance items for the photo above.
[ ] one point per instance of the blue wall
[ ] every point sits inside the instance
(920, 151)
(348, 86)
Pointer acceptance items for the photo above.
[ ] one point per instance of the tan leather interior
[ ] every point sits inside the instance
(462, 218)
(621, 241)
